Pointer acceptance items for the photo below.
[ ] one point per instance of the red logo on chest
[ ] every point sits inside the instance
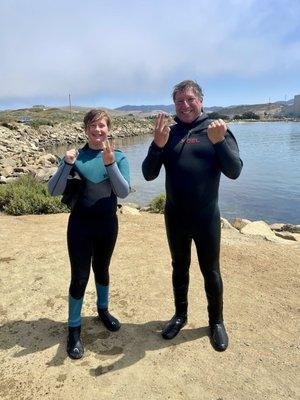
(192, 141)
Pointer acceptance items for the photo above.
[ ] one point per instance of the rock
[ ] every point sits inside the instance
(129, 211)
(7, 171)
(44, 174)
(145, 209)
(21, 169)
(132, 205)
(286, 235)
(47, 159)
(277, 227)
(225, 224)
(9, 162)
(258, 228)
(239, 223)
(291, 228)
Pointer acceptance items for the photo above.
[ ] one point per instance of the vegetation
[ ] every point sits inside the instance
(27, 195)
(247, 115)
(216, 115)
(157, 205)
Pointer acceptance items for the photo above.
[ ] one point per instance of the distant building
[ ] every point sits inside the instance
(297, 105)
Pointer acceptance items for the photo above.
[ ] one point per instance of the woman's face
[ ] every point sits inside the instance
(97, 132)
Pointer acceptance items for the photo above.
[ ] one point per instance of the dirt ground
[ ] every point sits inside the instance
(261, 283)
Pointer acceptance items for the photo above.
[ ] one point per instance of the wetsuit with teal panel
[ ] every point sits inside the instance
(93, 224)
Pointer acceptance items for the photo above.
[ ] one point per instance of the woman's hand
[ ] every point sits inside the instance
(161, 130)
(70, 156)
(108, 154)
(216, 131)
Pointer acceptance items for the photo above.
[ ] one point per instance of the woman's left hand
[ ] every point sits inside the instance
(108, 153)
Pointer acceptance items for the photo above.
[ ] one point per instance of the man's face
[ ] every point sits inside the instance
(97, 132)
(188, 106)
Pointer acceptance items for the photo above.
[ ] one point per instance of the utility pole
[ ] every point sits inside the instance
(70, 106)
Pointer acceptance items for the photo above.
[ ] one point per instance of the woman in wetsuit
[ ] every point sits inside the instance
(93, 225)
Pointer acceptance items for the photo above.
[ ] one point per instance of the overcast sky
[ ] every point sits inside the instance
(111, 53)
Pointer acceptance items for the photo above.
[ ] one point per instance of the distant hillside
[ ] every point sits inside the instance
(170, 109)
(148, 109)
(279, 108)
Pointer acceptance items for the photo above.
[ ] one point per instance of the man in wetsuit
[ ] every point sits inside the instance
(194, 152)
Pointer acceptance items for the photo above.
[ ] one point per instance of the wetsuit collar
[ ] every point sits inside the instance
(193, 124)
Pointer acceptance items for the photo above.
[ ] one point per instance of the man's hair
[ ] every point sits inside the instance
(188, 84)
(95, 115)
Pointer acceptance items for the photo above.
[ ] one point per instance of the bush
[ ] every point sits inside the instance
(26, 195)
(157, 205)
(216, 115)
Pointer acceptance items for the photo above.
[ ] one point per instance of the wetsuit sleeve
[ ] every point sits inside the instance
(58, 181)
(228, 155)
(152, 164)
(118, 173)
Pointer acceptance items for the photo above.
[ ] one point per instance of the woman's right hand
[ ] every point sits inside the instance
(70, 156)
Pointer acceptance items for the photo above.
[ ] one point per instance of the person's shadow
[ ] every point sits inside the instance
(127, 346)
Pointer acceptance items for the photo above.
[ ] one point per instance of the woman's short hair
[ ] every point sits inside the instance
(94, 115)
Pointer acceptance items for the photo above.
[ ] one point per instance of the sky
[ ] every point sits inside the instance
(112, 53)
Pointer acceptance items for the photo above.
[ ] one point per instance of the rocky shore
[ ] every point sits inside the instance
(277, 233)
(23, 149)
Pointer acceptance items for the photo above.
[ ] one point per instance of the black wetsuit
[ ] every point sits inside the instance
(193, 167)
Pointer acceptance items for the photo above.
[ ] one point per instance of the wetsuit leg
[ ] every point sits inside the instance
(104, 240)
(180, 247)
(207, 240)
(80, 253)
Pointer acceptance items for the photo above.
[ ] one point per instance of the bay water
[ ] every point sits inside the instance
(268, 188)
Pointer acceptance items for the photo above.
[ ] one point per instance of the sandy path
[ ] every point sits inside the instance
(261, 310)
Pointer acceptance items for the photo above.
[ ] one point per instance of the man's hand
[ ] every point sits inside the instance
(161, 130)
(216, 131)
(108, 154)
(70, 156)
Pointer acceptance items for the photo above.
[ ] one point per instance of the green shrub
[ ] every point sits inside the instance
(157, 205)
(36, 123)
(26, 195)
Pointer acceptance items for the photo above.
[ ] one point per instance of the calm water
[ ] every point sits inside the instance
(268, 187)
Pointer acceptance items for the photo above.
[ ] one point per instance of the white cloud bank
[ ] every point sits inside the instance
(51, 48)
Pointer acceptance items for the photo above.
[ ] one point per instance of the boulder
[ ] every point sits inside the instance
(2, 179)
(132, 205)
(286, 235)
(258, 228)
(129, 211)
(225, 224)
(291, 228)
(239, 223)
(277, 227)
(47, 159)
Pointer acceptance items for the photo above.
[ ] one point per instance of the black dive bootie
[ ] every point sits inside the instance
(178, 321)
(75, 348)
(219, 337)
(173, 326)
(111, 323)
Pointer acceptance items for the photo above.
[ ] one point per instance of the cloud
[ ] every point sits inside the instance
(53, 48)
